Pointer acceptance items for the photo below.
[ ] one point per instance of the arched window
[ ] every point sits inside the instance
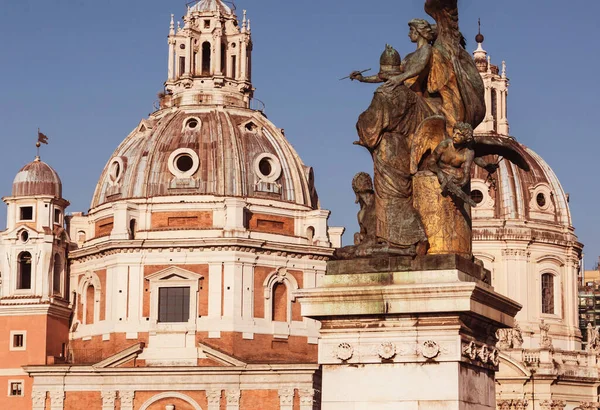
(57, 274)
(206, 54)
(280, 302)
(89, 304)
(548, 293)
(132, 228)
(24, 271)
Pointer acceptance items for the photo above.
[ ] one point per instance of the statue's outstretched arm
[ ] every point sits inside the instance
(415, 65)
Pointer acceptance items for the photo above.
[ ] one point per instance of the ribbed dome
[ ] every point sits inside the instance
(516, 194)
(206, 150)
(211, 5)
(37, 178)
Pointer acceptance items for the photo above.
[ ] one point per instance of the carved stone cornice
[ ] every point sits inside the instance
(553, 404)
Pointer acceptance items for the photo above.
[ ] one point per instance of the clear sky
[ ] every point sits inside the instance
(87, 72)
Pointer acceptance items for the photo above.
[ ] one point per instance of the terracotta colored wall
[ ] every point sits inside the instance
(35, 342)
(271, 224)
(79, 400)
(260, 274)
(23, 402)
(198, 396)
(203, 286)
(89, 304)
(280, 302)
(58, 333)
(263, 348)
(296, 312)
(116, 344)
(260, 399)
(103, 227)
(190, 220)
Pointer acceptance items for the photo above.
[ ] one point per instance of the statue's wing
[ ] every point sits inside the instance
(445, 14)
(427, 137)
(502, 146)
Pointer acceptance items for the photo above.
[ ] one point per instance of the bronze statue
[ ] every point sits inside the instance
(421, 175)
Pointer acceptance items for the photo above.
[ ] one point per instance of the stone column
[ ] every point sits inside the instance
(108, 399)
(244, 60)
(38, 398)
(307, 398)
(57, 400)
(233, 399)
(171, 72)
(217, 59)
(189, 56)
(126, 399)
(286, 399)
(214, 399)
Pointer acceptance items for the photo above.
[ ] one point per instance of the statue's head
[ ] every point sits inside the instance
(362, 184)
(389, 63)
(421, 28)
(462, 133)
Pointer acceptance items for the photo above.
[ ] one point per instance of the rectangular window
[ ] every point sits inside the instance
(18, 340)
(57, 216)
(181, 66)
(206, 23)
(15, 388)
(548, 293)
(26, 213)
(173, 305)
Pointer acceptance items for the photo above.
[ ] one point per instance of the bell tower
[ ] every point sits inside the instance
(210, 58)
(34, 294)
(496, 91)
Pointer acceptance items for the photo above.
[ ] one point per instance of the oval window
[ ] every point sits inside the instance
(184, 162)
(24, 236)
(541, 200)
(265, 167)
(192, 123)
(477, 196)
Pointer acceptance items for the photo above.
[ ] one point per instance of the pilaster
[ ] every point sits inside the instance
(38, 398)
(286, 399)
(57, 400)
(214, 399)
(126, 398)
(108, 399)
(233, 399)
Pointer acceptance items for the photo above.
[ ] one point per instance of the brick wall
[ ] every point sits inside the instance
(270, 224)
(185, 220)
(104, 227)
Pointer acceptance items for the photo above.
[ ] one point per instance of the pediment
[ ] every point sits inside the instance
(174, 273)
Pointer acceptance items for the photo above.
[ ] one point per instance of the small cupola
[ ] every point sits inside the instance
(35, 179)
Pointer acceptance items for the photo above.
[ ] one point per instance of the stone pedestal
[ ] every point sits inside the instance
(407, 339)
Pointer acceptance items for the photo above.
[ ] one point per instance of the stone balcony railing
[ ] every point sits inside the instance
(545, 361)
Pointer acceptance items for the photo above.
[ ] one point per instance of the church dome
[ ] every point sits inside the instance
(515, 194)
(211, 5)
(206, 150)
(37, 178)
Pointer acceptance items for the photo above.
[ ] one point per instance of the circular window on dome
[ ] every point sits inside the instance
(183, 163)
(477, 196)
(267, 167)
(115, 170)
(541, 200)
(191, 124)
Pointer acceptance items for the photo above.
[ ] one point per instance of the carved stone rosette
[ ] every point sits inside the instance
(344, 351)
(386, 350)
(430, 349)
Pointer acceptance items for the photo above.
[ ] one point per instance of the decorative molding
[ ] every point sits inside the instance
(307, 398)
(233, 399)
(214, 399)
(484, 354)
(286, 399)
(108, 399)
(38, 398)
(57, 400)
(517, 404)
(510, 338)
(553, 404)
(126, 399)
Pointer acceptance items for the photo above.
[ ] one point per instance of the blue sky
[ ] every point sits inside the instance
(87, 72)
